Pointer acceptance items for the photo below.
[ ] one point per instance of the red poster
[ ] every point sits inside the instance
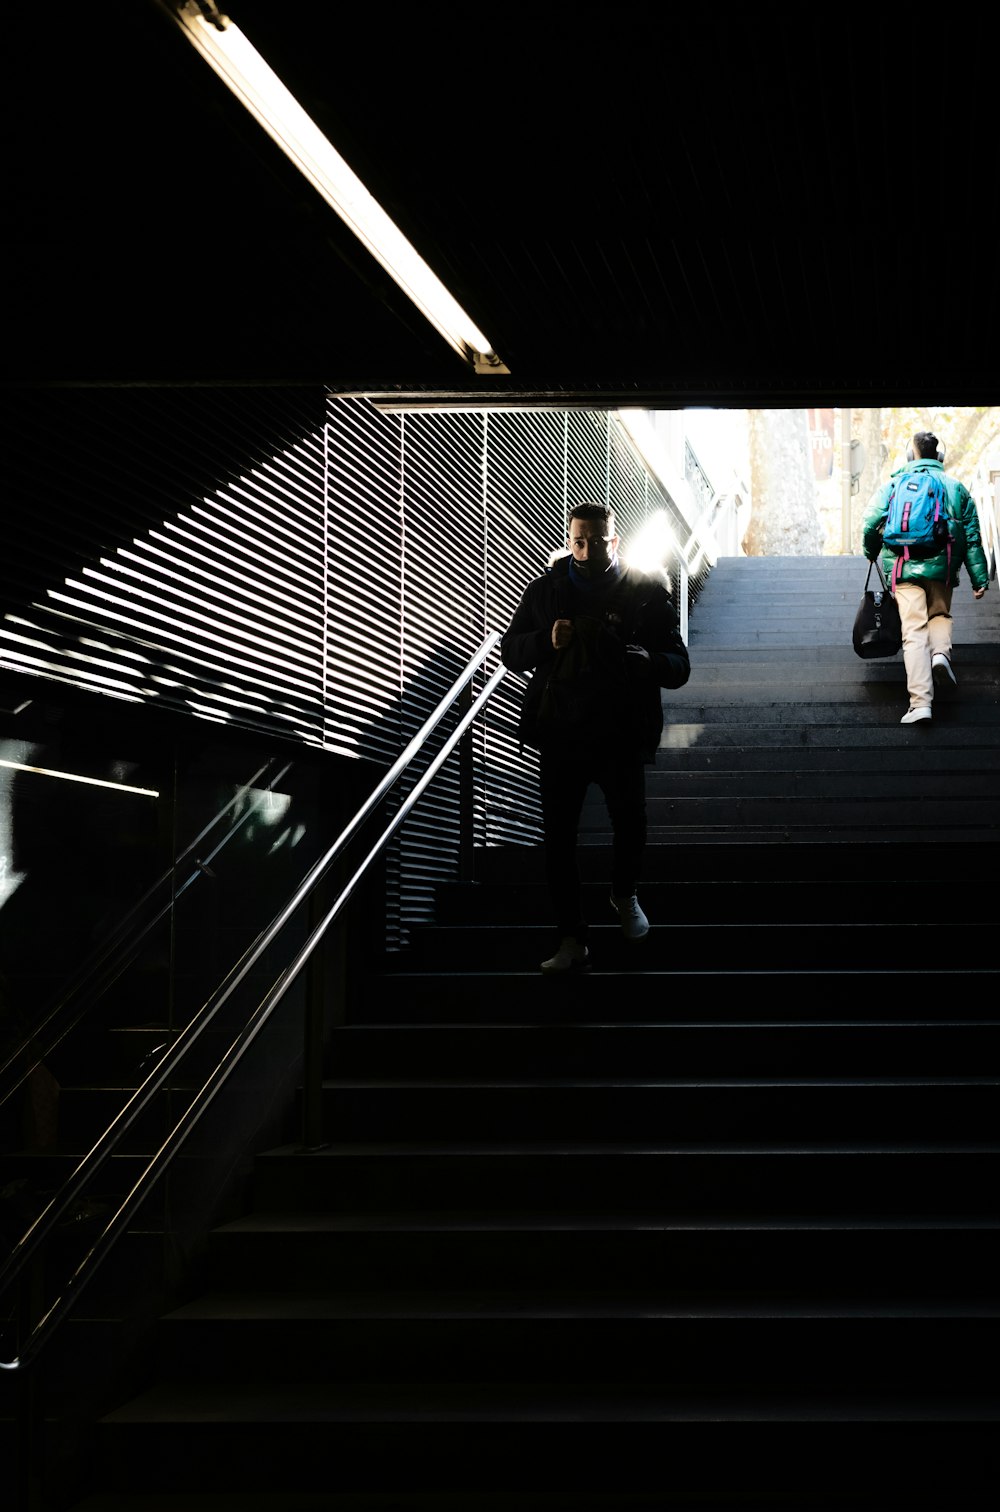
(821, 424)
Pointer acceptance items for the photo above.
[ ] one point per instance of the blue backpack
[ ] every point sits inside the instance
(917, 522)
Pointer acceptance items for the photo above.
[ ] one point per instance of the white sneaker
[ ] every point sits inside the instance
(635, 925)
(571, 956)
(942, 671)
(914, 716)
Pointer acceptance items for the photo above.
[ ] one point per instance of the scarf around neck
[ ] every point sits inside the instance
(603, 584)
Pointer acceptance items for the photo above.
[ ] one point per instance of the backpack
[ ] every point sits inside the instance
(917, 522)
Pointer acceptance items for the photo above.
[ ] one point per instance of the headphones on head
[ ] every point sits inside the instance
(911, 455)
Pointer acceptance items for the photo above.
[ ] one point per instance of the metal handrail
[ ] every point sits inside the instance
(119, 948)
(97, 1156)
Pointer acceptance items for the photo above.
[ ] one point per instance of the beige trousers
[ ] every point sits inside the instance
(925, 617)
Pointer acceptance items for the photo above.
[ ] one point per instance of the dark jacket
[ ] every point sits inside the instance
(966, 543)
(638, 611)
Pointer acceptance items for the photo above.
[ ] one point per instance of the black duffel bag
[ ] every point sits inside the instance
(877, 631)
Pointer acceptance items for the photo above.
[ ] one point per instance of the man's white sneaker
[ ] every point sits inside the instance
(571, 956)
(914, 716)
(942, 671)
(635, 925)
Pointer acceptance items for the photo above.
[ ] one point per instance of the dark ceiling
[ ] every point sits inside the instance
(724, 205)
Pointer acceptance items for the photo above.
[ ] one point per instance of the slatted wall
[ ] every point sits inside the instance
(526, 488)
(168, 546)
(364, 582)
(441, 621)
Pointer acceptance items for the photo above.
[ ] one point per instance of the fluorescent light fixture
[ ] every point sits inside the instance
(252, 80)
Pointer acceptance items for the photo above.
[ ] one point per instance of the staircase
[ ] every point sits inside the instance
(714, 1226)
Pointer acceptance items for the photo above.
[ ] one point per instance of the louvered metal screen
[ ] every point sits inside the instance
(364, 581)
(528, 465)
(442, 622)
(306, 565)
(169, 548)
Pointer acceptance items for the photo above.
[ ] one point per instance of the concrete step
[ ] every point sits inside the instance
(699, 899)
(628, 990)
(666, 1108)
(778, 1256)
(591, 1437)
(727, 1048)
(883, 852)
(675, 1340)
(707, 944)
(870, 1178)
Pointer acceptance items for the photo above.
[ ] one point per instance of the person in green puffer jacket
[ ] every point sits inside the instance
(924, 584)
